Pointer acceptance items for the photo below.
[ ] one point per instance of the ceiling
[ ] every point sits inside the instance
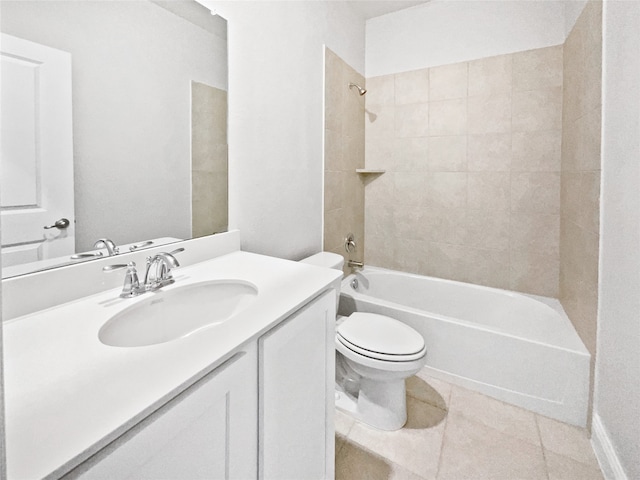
(374, 8)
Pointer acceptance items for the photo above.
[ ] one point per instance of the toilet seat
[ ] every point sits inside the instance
(380, 338)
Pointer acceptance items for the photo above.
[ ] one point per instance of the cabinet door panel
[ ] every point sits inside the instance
(293, 395)
(206, 432)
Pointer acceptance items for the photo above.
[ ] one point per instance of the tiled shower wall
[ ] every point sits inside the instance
(209, 160)
(344, 153)
(472, 153)
(579, 232)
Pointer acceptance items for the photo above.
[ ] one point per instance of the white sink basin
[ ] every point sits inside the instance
(163, 316)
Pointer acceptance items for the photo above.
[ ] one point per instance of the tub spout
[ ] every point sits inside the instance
(353, 263)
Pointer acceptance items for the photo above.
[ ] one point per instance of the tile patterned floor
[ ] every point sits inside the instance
(456, 434)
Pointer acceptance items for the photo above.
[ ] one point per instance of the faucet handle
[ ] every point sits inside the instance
(131, 287)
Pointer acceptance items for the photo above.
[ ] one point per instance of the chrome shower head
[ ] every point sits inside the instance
(361, 90)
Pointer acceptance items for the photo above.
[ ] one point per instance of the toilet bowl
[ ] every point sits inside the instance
(374, 356)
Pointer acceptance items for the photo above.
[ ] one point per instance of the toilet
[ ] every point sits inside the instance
(374, 356)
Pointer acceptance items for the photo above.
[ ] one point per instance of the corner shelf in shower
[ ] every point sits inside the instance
(370, 171)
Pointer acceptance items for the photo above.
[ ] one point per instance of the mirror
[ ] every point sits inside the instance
(119, 108)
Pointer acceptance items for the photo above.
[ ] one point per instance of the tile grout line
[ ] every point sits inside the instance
(544, 456)
(444, 431)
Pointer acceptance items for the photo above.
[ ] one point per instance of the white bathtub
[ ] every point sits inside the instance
(518, 348)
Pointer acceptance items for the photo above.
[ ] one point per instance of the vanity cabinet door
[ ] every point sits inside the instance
(296, 376)
(207, 432)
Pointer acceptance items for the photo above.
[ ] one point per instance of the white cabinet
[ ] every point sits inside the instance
(296, 375)
(266, 413)
(207, 432)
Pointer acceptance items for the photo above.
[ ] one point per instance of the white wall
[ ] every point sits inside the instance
(276, 76)
(617, 388)
(443, 32)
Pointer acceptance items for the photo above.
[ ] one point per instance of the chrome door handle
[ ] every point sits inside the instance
(60, 224)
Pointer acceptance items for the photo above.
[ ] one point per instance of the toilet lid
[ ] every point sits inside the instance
(378, 335)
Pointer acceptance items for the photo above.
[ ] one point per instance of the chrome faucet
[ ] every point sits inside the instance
(157, 275)
(159, 267)
(131, 287)
(108, 244)
(354, 264)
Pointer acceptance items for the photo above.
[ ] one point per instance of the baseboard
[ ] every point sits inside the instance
(605, 453)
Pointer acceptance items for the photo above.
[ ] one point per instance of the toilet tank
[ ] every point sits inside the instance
(325, 259)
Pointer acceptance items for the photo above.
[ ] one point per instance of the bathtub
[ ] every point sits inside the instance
(520, 349)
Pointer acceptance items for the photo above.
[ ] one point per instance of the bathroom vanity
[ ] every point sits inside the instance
(248, 397)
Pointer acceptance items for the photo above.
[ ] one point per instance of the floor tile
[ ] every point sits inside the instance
(415, 447)
(493, 413)
(474, 451)
(565, 468)
(566, 440)
(356, 463)
(343, 423)
(429, 390)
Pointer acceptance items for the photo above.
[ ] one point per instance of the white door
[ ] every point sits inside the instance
(36, 161)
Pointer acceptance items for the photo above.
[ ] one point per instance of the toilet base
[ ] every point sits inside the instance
(382, 405)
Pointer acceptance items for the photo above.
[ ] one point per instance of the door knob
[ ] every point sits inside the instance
(60, 224)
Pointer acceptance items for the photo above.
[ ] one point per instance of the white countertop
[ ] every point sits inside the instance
(67, 395)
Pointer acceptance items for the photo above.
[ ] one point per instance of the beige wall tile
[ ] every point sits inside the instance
(489, 191)
(447, 261)
(379, 189)
(489, 114)
(579, 239)
(476, 168)
(379, 219)
(534, 233)
(487, 267)
(446, 225)
(380, 91)
(384, 124)
(589, 212)
(448, 154)
(411, 154)
(332, 150)
(536, 110)
(380, 152)
(448, 82)
(488, 229)
(448, 117)
(412, 120)
(409, 223)
(490, 152)
(590, 138)
(490, 76)
(412, 255)
(535, 192)
(536, 273)
(536, 151)
(448, 190)
(334, 188)
(539, 68)
(410, 189)
(380, 251)
(412, 87)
